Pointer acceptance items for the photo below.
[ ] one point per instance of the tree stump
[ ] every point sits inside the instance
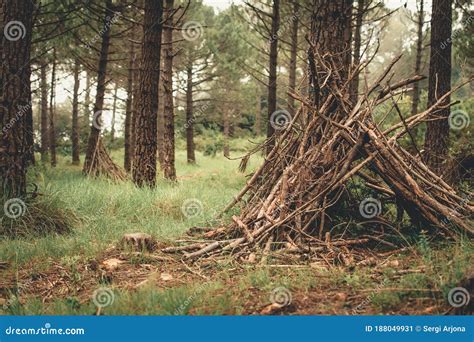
(138, 242)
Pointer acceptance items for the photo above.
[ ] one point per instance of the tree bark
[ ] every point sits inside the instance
(144, 168)
(161, 112)
(258, 114)
(331, 39)
(226, 133)
(168, 160)
(114, 110)
(75, 116)
(52, 129)
(136, 90)
(129, 109)
(437, 132)
(97, 159)
(272, 76)
(419, 52)
(293, 56)
(191, 156)
(15, 100)
(357, 46)
(44, 112)
(87, 101)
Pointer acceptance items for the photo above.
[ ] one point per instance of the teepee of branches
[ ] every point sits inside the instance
(286, 201)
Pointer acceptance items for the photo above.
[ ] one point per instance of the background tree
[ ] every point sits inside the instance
(168, 166)
(15, 96)
(194, 63)
(145, 154)
(437, 131)
(44, 134)
(75, 116)
(52, 129)
(97, 160)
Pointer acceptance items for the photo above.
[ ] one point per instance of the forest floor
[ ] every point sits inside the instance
(59, 274)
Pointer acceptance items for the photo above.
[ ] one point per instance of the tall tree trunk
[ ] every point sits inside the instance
(226, 133)
(97, 160)
(258, 114)
(75, 116)
(44, 112)
(15, 98)
(161, 110)
(437, 132)
(272, 76)
(52, 129)
(419, 52)
(114, 110)
(144, 167)
(191, 156)
(136, 90)
(357, 45)
(331, 39)
(293, 56)
(87, 100)
(167, 163)
(129, 109)
(30, 135)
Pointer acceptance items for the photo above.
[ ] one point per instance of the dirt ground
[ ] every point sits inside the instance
(323, 295)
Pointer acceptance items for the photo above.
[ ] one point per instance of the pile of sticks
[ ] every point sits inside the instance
(101, 164)
(286, 201)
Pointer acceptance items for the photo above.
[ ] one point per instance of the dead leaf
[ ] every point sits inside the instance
(252, 258)
(429, 310)
(166, 276)
(112, 264)
(270, 309)
(340, 296)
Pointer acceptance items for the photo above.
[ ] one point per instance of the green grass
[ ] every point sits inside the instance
(106, 210)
